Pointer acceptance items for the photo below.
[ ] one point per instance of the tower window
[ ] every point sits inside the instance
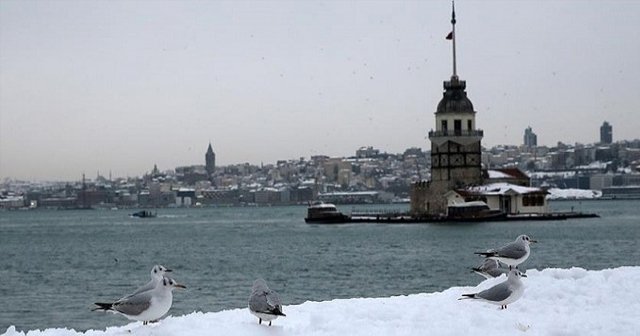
(469, 125)
(444, 126)
(457, 126)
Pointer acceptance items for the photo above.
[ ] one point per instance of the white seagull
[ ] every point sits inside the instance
(147, 306)
(264, 303)
(504, 293)
(512, 254)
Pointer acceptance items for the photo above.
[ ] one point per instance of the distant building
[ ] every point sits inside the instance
(367, 152)
(210, 161)
(530, 138)
(508, 198)
(191, 174)
(606, 133)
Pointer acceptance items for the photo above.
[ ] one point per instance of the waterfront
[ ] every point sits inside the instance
(66, 260)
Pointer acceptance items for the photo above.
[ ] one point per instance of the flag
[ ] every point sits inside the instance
(450, 36)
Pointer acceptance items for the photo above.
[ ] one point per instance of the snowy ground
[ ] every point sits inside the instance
(556, 302)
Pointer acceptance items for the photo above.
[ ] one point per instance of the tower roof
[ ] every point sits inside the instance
(454, 98)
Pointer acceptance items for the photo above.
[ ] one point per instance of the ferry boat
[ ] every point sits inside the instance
(143, 214)
(324, 213)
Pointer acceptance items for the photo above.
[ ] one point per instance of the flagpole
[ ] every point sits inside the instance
(453, 24)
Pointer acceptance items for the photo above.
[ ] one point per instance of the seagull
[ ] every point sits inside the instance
(147, 306)
(157, 273)
(264, 303)
(512, 254)
(489, 269)
(504, 293)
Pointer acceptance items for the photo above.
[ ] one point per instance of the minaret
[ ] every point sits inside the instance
(455, 144)
(210, 160)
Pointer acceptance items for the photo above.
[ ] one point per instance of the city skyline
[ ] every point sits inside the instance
(97, 86)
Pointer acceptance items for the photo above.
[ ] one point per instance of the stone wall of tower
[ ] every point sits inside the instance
(456, 164)
(427, 198)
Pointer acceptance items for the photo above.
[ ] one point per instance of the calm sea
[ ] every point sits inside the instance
(55, 264)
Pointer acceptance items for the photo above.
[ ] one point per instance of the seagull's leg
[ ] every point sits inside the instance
(259, 320)
(269, 323)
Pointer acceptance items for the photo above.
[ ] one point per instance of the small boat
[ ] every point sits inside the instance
(143, 214)
(324, 213)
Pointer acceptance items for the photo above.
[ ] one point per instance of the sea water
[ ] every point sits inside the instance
(55, 264)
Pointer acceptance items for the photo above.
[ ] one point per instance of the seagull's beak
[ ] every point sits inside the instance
(523, 275)
(533, 241)
(179, 286)
(168, 270)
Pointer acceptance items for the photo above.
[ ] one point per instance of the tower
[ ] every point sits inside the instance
(606, 133)
(210, 161)
(455, 145)
(530, 138)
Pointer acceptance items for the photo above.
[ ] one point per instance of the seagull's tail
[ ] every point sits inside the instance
(278, 312)
(467, 296)
(103, 306)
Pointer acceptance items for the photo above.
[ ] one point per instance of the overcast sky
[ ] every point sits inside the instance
(88, 86)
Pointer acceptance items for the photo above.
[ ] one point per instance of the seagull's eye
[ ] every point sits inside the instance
(155, 271)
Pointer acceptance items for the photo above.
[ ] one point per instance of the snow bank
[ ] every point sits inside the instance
(555, 193)
(556, 302)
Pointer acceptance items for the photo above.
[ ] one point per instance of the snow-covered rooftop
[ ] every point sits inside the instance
(555, 302)
(555, 193)
(502, 188)
(494, 174)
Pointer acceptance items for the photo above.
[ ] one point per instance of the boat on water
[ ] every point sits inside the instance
(325, 213)
(144, 214)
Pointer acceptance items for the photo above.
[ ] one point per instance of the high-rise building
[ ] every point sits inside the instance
(210, 161)
(455, 146)
(530, 138)
(606, 133)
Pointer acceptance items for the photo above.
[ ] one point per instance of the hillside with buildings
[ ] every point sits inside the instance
(369, 176)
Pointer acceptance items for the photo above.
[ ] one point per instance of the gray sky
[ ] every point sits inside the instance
(89, 86)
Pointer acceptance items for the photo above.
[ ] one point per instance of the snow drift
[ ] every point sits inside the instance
(555, 302)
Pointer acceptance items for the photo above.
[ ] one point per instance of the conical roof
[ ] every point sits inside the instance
(454, 98)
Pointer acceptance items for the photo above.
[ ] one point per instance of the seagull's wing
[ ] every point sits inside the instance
(273, 300)
(496, 293)
(495, 272)
(134, 305)
(511, 251)
(258, 302)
